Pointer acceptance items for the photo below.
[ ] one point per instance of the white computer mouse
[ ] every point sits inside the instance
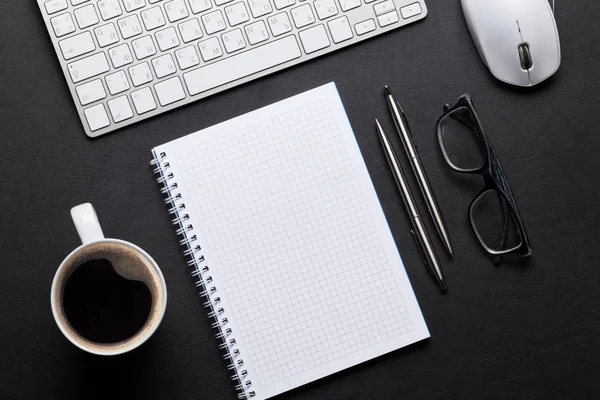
(517, 39)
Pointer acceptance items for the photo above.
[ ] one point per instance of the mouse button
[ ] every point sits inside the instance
(525, 56)
(542, 36)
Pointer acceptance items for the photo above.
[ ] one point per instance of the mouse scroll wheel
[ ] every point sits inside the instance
(525, 56)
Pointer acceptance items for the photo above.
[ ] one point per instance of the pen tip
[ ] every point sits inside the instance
(443, 284)
(387, 90)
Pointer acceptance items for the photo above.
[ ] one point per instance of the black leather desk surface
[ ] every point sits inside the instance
(519, 331)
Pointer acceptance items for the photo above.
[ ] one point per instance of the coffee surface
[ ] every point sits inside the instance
(104, 307)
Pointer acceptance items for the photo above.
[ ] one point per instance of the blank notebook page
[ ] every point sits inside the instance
(299, 250)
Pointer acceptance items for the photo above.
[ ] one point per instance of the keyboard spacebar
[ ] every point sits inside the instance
(241, 65)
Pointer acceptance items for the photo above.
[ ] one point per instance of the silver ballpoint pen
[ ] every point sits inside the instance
(411, 152)
(419, 233)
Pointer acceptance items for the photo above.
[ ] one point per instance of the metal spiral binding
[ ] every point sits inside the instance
(216, 312)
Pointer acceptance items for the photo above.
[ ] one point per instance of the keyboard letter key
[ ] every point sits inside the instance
(176, 10)
(279, 24)
(210, 49)
(164, 66)
(153, 18)
(259, 7)
(303, 16)
(140, 74)
(190, 30)
(257, 32)
(130, 26)
(106, 35)
(200, 5)
(325, 8)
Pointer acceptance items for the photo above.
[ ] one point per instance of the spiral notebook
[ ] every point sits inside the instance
(289, 244)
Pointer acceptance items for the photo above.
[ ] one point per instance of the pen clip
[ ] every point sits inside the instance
(422, 253)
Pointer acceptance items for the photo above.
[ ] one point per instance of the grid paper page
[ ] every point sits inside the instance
(298, 246)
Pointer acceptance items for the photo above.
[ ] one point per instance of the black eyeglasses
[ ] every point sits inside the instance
(493, 213)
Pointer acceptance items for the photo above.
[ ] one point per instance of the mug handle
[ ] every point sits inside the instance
(87, 224)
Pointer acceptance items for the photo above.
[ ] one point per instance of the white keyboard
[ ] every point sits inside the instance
(128, 60)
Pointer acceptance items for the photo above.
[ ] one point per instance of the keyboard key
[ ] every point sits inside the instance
(109, 9)
(213, 22)
(176, 10)
(258, 8)
(164, 65)
(90, 92)
(140, 74)
(96, 117)
(130, 26)
(242, 65)
(190, 30)
(257, 32)
(411, 10)
(62, 24)
(303, 16)
(120, 109)
(210, 49)
(132, 5)
(106, 34)
(120, 55)
(237, 13)
(153, 18)
(200, 5)
(55, 6)
(365, 27)
(143, 47)
(279, 4)
(143, 100)
(314, 39)
(86, 16)
(347, 5)
(77, 45)
(279, 24)
(340, 29)
(384, 7)
(325, 8)
(169, 91)
(167, 39)
(233, 40)
(187, 57)
(221, 2)
(388, 19)
(88, 67)
(117, 82)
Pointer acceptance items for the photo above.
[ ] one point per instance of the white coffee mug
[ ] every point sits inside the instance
(135, 263)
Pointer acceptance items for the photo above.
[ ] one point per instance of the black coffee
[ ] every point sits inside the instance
(104, 307)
